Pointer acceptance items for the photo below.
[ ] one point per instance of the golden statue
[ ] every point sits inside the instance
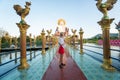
(22, 12)
(49, 31)
(62, 28)
(105, 7)
(73, 31)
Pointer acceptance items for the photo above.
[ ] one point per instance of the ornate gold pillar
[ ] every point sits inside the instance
(43, 41)
(105, 25)
(23, 60)
(23, 26)
(81, 40)
(49, 37)
(73, 38)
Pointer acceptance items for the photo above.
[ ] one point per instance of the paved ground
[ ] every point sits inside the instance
(70, 72)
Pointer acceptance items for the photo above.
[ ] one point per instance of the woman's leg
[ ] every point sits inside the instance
(61, 58)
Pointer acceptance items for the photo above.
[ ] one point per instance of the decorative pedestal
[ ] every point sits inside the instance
(81, 40)
(105, 25)
(23, 60)
(43, 41)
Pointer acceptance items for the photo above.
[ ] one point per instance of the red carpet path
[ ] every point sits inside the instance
(70, 72)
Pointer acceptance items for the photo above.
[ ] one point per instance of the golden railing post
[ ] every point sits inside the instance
(81, 40)
(23, 26)
(43, 41)
(74, 34)
(23, 60)
(49, 37)
(105, 25)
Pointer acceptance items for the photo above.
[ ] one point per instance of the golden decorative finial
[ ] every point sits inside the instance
(49, 31)
(43, 30)
(105, 7)
(81, 30)
(73, 31)
(22, 12)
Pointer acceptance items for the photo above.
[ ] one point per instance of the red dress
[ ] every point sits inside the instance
(61, 50)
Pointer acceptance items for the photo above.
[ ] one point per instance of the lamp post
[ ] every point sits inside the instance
(81, 40)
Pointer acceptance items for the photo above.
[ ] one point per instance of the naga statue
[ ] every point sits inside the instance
(105, 7)
(22, 12)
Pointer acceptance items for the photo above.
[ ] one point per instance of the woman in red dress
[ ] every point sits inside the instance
(61, 49)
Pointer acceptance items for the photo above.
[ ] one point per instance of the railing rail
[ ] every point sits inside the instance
(101, 54)
(102, 48)
(15, 65)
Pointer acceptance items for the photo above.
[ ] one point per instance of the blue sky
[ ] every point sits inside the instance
(45, 13)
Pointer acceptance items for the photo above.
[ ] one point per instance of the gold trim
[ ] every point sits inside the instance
(24, 64)
(107, 65)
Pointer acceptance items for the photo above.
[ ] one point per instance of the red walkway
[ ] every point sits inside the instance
(70, 72)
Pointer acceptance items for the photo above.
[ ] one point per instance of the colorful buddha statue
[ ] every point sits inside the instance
(61, 28)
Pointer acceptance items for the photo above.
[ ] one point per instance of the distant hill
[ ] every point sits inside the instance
(112, 36)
